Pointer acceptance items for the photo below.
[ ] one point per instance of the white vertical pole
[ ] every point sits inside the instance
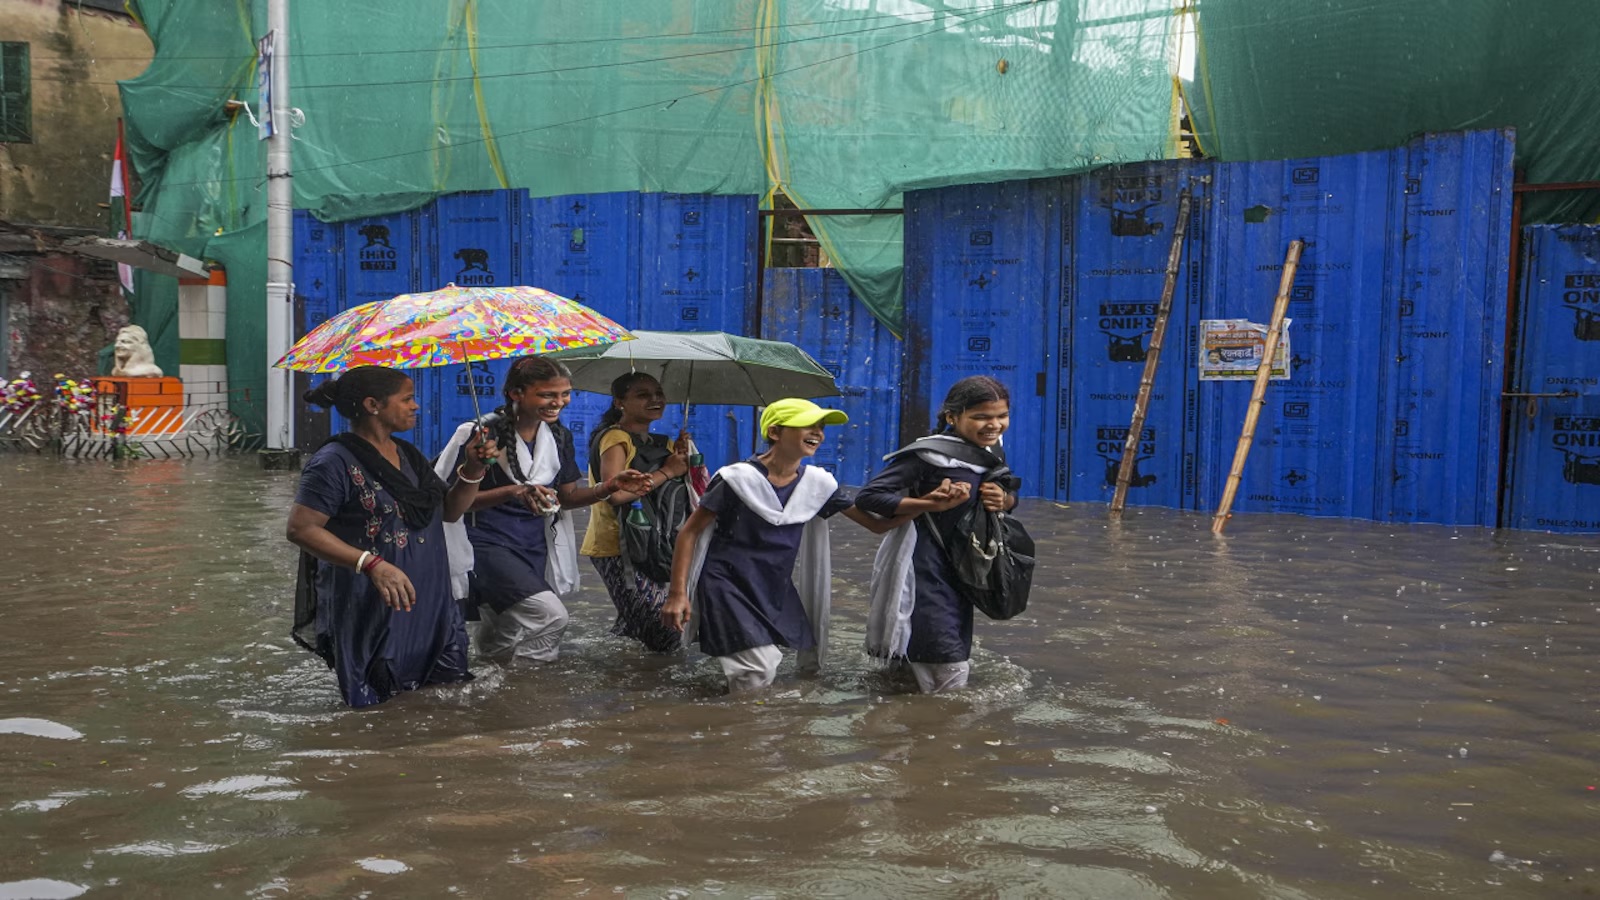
(280, 238)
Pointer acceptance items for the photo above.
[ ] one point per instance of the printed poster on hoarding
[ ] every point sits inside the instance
(1230, 350)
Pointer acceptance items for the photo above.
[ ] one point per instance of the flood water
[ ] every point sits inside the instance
(1306, 708)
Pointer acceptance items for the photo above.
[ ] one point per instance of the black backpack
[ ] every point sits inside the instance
(648, 530)
(991, 554)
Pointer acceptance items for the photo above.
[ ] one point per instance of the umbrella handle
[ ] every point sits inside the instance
(688, 391)
(472, 382)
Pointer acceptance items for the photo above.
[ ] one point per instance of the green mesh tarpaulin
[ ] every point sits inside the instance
(837, 103)
(1317, 77)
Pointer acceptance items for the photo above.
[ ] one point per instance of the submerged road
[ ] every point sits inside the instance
(1305, 708)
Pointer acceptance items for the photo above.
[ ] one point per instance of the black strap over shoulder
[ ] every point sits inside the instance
(650, 451)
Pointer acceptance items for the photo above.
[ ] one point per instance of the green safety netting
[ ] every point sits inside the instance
(837, 103)
(1318, 77)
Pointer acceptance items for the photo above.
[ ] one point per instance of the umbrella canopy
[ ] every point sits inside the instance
(451, 325)
(704, 367)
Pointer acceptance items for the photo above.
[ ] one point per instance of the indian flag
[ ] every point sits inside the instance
(121, 213)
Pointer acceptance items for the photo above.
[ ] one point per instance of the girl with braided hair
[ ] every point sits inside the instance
(523, 547)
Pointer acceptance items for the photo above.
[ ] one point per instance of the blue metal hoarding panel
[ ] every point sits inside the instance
(697, 272)
(475, 240)
(982, 298)
(1116, 245)
(381, 257)
(316, 268)
(1553, 479)
(1315, 450)
(1442, 430)
(584, 246)
(815, 309)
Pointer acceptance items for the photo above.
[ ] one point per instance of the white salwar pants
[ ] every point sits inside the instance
(936, 678)
(752, 669)
(529, 629)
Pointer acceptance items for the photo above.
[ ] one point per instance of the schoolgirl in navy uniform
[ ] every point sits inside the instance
(917, 614)
(523, 547)
(745, 540)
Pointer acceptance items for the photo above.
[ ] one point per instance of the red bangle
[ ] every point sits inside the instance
(371, 564)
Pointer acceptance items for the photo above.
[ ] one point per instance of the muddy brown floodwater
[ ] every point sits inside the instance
(1306, 708)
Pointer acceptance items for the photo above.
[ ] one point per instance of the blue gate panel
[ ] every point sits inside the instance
(1448, 329)
(592, 248)
(379, 258)
(475, 238)
(1554, 469)
(697, 272)
(316, 271)
(815, 309)
(583, 246)
(1117, 238)
(983, 288)
(1315, 451)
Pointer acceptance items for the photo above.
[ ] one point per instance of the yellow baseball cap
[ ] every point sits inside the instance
(792, 412)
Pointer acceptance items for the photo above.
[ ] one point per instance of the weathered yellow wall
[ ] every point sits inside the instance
(76, 59)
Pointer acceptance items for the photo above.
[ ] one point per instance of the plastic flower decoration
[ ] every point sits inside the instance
(75, 397)
(19, 395)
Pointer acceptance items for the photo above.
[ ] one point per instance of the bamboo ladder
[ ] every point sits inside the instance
(1258, 396)
(1152, 360)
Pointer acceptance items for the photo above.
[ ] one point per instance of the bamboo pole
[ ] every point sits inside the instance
(1258, 396)
(1152, 361)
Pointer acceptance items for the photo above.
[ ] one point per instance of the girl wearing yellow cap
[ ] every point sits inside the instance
(736, 558)
(916, 613)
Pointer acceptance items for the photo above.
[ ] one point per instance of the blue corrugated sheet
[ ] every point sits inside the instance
(474, 240)
(815, 309)
(582, 247)
(697, 272)
(317, 275)
(1554, 469)
(1116, 239)
(1448, 342)
(981, 291)
(375, 259)
(1392, 407)
(663, 261)
(1316, 444)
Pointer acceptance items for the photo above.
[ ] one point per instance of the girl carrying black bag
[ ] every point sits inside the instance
(930, 575)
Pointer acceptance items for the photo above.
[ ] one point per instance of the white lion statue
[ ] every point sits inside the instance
(133, 356)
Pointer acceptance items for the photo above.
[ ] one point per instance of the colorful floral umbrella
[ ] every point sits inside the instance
(451, 325)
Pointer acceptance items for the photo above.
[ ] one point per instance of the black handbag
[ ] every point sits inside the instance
(991, 554)
(991, 557)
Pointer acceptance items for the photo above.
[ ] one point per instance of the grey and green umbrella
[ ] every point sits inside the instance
(703, 367)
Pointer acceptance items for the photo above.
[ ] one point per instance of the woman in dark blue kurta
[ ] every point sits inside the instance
(375, 599)
(746, 596)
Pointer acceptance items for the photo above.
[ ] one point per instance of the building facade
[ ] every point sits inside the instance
(60, 61)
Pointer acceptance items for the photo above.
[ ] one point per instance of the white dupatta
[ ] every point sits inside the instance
(813, 566)
(542, 464)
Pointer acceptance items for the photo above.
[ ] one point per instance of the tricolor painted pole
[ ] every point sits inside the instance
(1152, 361)
(280, 237)
(1258, 397)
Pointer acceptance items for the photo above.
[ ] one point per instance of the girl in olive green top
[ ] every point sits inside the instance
(624, 431)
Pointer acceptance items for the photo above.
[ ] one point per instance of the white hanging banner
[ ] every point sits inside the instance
(265, 125)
